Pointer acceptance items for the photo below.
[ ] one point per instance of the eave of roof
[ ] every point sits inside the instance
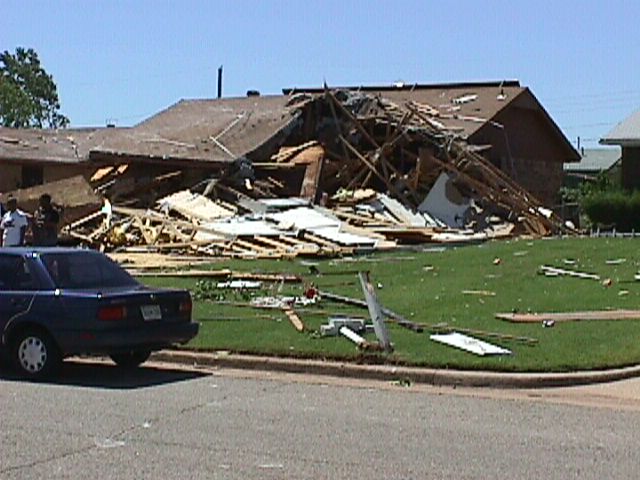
(408, 87)
(61, 146)
(626, 133)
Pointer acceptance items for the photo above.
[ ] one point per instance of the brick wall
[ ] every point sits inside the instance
(11, 174)
(524, 147)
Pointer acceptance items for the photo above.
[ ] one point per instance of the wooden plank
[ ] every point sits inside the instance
(553, 271)
(181, 273)
(252, 246)
(274, 243)
(322, 241)
(285, 153)
(294, 319)
(570, 316)
(293, 241)
(309, 188)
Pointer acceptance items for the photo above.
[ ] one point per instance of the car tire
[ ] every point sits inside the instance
(131, 359)
(35, 354)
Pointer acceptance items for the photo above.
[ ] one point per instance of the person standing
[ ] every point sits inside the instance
(45, 223)
(13, 225)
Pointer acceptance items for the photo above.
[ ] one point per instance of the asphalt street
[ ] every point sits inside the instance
(170, 422)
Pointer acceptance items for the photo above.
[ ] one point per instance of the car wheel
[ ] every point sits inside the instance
(130, 359)
(35, 354)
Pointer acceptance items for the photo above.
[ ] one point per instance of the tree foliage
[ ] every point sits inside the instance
(28, 94)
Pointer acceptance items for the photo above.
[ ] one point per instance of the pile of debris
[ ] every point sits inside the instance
(351, 171)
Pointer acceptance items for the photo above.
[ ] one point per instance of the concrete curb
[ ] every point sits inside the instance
(391, 373)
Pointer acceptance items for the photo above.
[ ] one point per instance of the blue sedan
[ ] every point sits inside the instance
(57, 302)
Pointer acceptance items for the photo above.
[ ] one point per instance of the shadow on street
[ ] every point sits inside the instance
(103, 374)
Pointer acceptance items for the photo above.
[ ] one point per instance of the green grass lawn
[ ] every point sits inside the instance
(427, 287)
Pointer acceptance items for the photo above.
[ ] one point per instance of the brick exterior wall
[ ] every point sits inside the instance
(11, 176)
(524, 146)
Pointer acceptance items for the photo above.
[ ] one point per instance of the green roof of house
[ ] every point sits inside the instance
(594, 160)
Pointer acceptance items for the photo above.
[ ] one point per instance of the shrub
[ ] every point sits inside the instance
(617, 209)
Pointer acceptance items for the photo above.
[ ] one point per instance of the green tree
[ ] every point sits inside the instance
(28, 94)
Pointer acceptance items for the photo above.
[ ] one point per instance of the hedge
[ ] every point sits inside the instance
(617, 209)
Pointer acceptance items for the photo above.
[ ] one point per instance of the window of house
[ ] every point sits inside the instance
(31, 176)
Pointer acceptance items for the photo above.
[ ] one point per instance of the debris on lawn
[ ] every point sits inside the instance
(350, 172)
(390, 314)
(336, 322)
(239, 284)
(469, 344)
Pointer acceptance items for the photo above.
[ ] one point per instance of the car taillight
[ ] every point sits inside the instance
(185, 306)
(110, 314)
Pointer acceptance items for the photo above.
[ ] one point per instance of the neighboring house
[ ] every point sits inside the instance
(30, 157)
(593, 161)
(627, 135)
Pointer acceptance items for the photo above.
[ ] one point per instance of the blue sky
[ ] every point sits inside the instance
(122, 61)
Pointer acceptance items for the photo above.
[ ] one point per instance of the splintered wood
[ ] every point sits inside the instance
(358, 172)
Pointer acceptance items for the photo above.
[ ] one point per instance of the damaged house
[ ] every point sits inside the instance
(320, 171)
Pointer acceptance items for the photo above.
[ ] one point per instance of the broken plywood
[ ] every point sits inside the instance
(195, 206)
(469, 344)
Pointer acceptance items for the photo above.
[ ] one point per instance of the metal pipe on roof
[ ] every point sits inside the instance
(220, 81)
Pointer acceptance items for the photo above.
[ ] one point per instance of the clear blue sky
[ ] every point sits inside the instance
(125, 60)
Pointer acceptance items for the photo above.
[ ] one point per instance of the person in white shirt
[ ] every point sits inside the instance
(13, 225)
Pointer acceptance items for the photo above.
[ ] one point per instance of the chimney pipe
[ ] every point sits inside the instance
(220, 81)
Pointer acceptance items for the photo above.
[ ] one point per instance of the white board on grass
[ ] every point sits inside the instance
(469, 344)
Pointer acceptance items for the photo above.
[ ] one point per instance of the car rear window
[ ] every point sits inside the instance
(85, 270)
(15, 274)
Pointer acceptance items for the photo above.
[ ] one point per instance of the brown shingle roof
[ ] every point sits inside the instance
(212, 130)
(465, 107)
